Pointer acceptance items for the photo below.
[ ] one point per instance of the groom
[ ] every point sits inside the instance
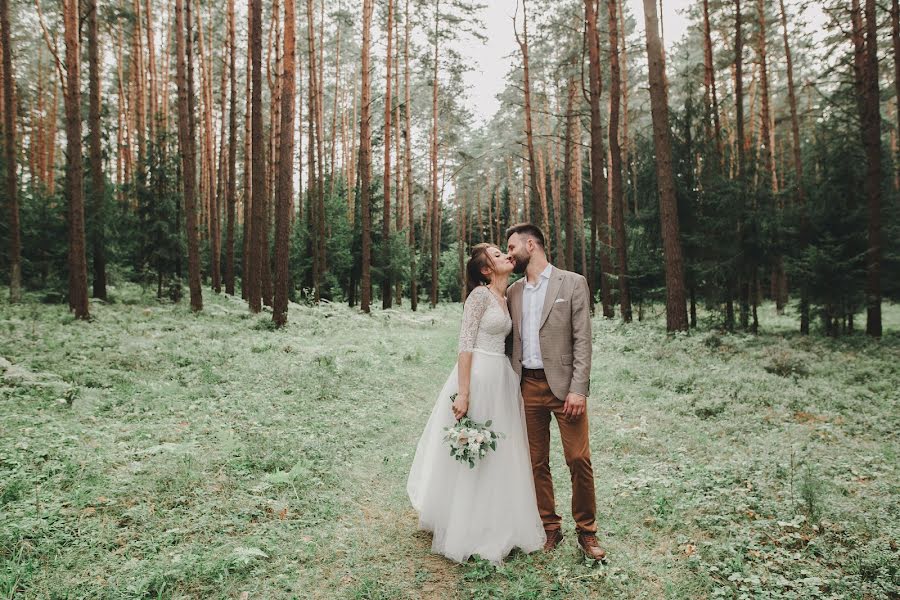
(551, 352)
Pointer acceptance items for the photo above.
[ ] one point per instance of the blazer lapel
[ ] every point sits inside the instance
(515, 308)
(552, 293)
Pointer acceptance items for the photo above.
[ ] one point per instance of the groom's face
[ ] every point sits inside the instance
(518, 252)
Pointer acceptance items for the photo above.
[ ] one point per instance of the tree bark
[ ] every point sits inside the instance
(9, 138)
(799, 189)
(386, 280)
(436, 204)
(258, 226)
(209, 153)
(78, 297)
(95, 154)
(676, 317)
(569, 171)
(407, 159)
(186, 127)
(871, 132)
(365, 160)
(615, 166)
(895, 40)
(766, 134)
(598, 179)
(529, 128)
(284, 191)
(711, 101)
(231, 180)
(314, 182)
(739, 128)
(247, 268)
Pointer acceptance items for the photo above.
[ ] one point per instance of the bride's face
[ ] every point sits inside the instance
(498, 262)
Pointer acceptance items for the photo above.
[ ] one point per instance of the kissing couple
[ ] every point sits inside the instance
(506, 501)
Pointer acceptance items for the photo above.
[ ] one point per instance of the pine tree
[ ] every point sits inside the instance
(676, 317)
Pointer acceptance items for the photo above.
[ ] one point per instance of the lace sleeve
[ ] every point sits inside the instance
(476, 304)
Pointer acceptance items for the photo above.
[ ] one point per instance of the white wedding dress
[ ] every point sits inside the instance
(490, 509)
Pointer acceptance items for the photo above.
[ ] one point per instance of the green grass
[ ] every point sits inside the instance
(153, 453)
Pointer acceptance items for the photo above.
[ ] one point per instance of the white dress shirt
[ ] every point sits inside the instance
(532, 307)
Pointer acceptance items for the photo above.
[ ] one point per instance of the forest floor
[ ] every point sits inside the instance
(154, 453)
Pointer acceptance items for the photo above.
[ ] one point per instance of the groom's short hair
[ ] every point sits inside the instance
(529, 229)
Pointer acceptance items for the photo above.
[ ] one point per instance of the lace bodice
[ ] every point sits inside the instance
(485, 323)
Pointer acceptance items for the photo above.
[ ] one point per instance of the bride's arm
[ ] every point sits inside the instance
(476, 304)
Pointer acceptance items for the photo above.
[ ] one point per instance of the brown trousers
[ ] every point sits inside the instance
(540, 403)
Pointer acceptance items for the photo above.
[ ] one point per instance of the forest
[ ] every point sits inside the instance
(750, 163)
(234, 236)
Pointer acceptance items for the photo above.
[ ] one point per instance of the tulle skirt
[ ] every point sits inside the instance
(490, 509)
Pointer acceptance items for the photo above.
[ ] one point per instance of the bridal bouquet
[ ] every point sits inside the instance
(470, 441)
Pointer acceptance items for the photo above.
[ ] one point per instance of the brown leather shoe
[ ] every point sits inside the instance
(554, 537)
(590, 547)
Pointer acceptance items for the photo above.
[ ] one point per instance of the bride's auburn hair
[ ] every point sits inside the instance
(478, 259)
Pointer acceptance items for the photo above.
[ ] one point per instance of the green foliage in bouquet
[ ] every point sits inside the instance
(469, 440)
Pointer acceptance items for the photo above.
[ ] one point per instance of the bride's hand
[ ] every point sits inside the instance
(460, 406)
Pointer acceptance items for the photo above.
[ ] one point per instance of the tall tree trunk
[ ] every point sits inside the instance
(314, 182)
(186, 128)
(895, 40)
(365, 160)
(598, 179)
(460, 244)
(407, 159)
(767, 136)
(284, 191)
(151, 75)
(78, 296)
(139, 77)
(209, 160)
(334, 111)
(258, 246)
(739, 127)
(615, 167)
(569, 170)
(799, 192)
(247, 267)
(95, 154)
(626, 162)
(270, 160)
(9, 156)
(529, 127)
(711, 101)
(871, 132)
(386, 216)
(436, 203)
(676, 317)
(231, 179)
(320, 142)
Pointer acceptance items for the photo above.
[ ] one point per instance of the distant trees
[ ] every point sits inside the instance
(733, 151)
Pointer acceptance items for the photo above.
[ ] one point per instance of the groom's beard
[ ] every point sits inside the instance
(521, 264)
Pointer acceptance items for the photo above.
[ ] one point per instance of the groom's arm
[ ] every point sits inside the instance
(581, 338)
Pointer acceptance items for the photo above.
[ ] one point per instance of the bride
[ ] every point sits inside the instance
(491, 509)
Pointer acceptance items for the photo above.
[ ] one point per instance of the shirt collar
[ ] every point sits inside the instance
(545, 274)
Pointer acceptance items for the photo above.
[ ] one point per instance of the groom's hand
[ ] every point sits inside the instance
(574, 405)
